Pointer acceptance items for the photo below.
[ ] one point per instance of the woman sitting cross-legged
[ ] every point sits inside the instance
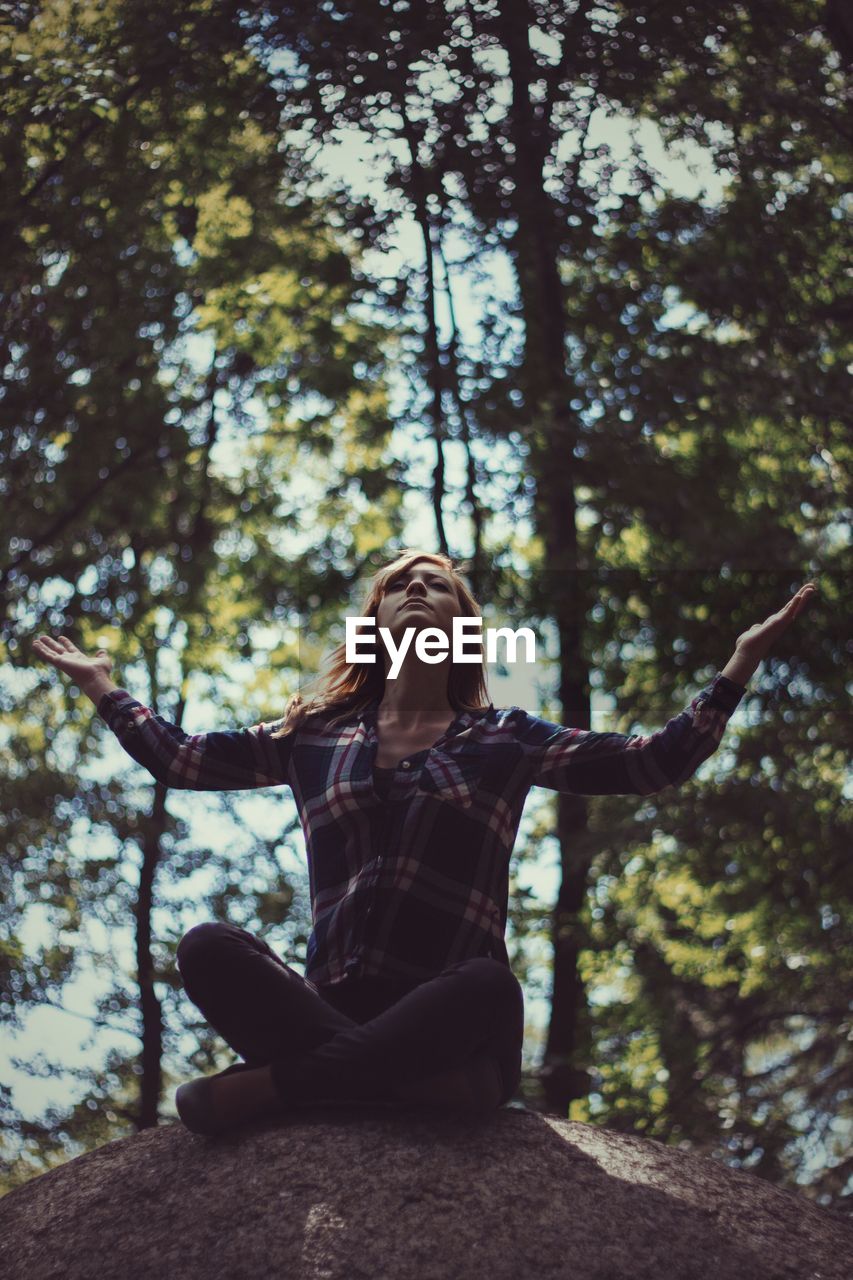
(410, 790)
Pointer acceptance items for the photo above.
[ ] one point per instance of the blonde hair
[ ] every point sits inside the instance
(347, 688)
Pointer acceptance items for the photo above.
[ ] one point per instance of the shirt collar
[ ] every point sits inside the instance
(462, 721)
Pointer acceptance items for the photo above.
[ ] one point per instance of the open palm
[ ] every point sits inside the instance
(758, 639)
(65, 655)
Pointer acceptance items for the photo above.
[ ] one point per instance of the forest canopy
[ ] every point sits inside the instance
(557, 289)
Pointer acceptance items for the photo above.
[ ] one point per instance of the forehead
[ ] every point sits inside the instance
(425, 568)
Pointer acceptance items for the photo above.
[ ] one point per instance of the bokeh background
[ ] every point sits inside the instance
(559, 288)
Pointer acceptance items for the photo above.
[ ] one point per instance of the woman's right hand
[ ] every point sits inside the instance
(65, 655)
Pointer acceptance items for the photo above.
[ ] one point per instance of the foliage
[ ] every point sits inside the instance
(648, 431)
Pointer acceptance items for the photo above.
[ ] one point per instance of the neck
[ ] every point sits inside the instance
(417, 696)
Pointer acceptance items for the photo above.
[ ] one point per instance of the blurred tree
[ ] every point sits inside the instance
(654, 350)
(180, 326)
(655, 342)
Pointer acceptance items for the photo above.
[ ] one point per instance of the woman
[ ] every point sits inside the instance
(410, 792)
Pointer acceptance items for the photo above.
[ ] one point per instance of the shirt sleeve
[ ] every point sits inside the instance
(586, 763)
(220, 761)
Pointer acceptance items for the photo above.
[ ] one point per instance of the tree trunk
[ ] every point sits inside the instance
(151, 1013)
(419, 192)
(552, 436)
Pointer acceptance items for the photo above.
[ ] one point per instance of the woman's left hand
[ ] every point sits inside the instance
(755, 642)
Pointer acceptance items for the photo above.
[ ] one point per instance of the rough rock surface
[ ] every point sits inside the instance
(368, 1194)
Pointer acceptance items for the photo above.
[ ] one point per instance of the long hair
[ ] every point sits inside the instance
(348, 687)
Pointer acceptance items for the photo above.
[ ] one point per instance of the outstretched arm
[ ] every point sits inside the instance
(582, 762)
(222, 761)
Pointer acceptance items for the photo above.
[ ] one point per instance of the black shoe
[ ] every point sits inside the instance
(195, 1106)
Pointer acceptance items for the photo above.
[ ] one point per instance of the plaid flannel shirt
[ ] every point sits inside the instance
(405, 886)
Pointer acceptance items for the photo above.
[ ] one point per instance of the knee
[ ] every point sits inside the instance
(493, 974)
(197, 947)
(497, 977)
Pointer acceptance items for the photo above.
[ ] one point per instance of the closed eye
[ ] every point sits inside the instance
(435, 582)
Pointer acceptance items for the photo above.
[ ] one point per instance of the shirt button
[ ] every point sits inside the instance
(406, 764)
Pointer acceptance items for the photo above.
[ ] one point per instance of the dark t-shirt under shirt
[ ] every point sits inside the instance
(382, 780)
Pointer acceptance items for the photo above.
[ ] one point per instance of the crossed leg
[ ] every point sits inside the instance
(452, 1041)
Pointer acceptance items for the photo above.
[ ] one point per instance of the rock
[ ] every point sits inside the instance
(364, 1193)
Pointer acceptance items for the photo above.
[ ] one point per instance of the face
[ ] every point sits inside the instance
(422, 596)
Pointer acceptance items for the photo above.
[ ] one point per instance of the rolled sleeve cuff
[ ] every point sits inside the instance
(111, 705)
(726, 693)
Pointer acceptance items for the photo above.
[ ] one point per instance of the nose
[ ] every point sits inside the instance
(419, 594)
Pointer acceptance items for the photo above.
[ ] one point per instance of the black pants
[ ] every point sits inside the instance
(351, 1040)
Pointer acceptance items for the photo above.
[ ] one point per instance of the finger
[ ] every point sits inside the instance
(802, 599)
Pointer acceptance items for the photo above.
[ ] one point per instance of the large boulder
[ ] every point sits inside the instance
(369, 1194)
